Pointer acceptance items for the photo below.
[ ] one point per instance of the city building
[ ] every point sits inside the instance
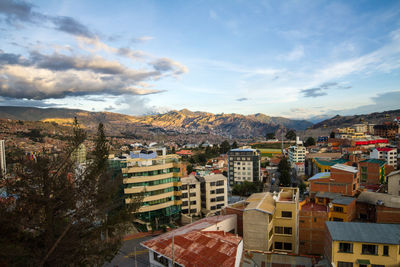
(372, 171)
(393, 180)
(388, 154)
(387, 130)
(214, 192)
(157, 178)
(3, 166)
(207, 242)
(243, 165)
(270, 221)
(191, 196)
(341, 179)
(378, 207)
(297, 153)
(312, 218)
(342, 209)
(324, 164)
(362, 244)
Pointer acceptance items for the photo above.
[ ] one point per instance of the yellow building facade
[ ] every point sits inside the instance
(362, 244)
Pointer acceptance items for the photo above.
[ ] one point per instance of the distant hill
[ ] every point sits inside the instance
(343, 121)
(173, 122)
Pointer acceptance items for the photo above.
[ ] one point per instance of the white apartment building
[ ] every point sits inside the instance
(297, 153)
(214, 192)
(243, 165)
(191, 196)
(388, 154)
(2, 157)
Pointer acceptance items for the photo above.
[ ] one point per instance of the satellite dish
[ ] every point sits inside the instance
(330, 205)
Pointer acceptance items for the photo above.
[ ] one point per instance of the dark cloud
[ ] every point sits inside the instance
(6, 101)
(242, 99)
(9, 58)
(320, 90)
(59, 62)
(21, 11)
(71, 26)
(313, 92)
(168, 65)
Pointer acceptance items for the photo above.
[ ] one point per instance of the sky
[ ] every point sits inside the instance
(296, 59)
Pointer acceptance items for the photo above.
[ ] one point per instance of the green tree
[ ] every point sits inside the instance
(224, 147)
(246, 188)
(235, 145)
(269, 136)
(291, 135)
(332, 135)
(189, 168)
(57, 214)
(310, 141)
(284, 170)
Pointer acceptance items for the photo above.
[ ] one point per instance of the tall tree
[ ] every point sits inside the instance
(291, 135)
(235, 145)
(284, 170)
(310, 141)
(269, 136)
(224, 147)
(57, 213)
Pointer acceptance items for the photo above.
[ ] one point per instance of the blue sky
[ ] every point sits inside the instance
(297, 59)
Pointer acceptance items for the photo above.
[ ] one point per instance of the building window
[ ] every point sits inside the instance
(184, 195)
(385, 250)
(220, 190)
(193, 194)
(220, 198)
(278, 230)
(287, 246)
(286, 214)
(278, 245)
(287, 230)
(337, 219)
(160, 259)
(184, 203)
(184, 186)
(315, 219)
(377, 265)
(193, 202)
(344, 264)
(346, 247)
(337, 209)
(369, 249)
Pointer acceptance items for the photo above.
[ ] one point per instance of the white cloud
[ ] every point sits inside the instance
(296, 54)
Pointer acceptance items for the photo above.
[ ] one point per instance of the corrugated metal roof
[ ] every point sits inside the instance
(345, 168)
(364, 232)
(377, 161)
(263, 202)
(199, 248)
(320, 175)
(343, 200)
(325, 162)
(374, 198)
(329, 195)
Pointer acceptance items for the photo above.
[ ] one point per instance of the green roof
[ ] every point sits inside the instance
(330, 162)
(378, 161)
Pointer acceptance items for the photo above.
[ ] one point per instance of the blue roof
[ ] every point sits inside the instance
(364, 232)
(243, 150)
(320, 176)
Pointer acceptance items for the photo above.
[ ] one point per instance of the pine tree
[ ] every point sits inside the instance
(56, 213)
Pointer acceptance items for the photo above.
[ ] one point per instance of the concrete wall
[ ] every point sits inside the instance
(255, 230)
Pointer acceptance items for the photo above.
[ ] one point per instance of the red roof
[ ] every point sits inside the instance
(194, 247)
(184, 152)
(386, 149)
(216, 171)
(313, 207)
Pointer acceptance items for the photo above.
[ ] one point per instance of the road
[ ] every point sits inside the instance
(126, 255)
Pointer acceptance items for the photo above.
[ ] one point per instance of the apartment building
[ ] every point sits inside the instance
(191, 196)
(342, 209)
(393, 180)
(214, 192)
(388, 154)
(312, 218)
(297, 154)
(372, 171)
(378, 207)
(2, 158)
(362, 244)
(387, 130)
(244, 165)
(79, 154)
(157, 178)
(341, 179)
(270, 221)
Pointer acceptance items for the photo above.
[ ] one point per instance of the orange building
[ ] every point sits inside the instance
(341, 179)
(378, 208)
(312, 218)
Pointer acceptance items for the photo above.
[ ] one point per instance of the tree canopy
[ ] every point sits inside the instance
(56, 213)
(284, 170)
(310, 141)
(246, 188)
(224, 147)
(291, 135)
(269, 136)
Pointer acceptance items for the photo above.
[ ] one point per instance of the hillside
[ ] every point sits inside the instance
(170, 123)
(342, 121)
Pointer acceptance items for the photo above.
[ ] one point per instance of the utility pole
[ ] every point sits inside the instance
(173, 252)
(135, 258)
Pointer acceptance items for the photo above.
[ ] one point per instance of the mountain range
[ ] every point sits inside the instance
(173, 122)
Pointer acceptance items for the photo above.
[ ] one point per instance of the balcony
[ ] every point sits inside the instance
(141, 179)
